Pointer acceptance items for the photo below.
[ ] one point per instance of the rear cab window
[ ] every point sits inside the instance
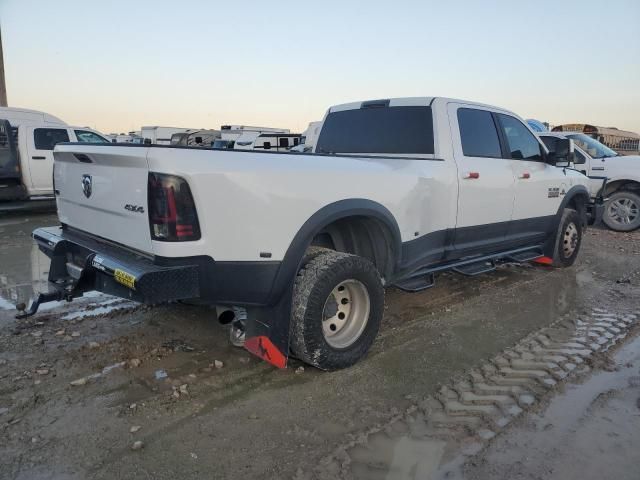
(378, 130)
(47, 138)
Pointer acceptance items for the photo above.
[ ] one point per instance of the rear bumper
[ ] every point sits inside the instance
(80, 263)
(92, 264)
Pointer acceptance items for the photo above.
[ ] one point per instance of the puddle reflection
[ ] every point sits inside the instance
(23, 267)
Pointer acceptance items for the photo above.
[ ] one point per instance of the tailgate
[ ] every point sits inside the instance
(102, 190)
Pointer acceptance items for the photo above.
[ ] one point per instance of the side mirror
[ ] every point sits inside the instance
(564, 153)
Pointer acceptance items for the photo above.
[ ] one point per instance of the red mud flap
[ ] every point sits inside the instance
(544, 261)
(267, 331)
(262, 347)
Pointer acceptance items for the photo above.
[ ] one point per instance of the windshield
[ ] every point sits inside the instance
(592, 146)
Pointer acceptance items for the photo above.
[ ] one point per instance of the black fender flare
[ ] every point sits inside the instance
(576, 192)
(318, 221)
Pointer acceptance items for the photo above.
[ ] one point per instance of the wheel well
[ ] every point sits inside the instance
(618, 185)
(364, 236)
(579, 203)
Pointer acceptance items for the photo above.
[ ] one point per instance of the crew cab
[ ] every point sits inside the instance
(27, 138)
(396, 191)
(597, 161)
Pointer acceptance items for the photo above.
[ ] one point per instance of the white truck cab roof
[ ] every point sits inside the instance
(24, 116)
(409, 102)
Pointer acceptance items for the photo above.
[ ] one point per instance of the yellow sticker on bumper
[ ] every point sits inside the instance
(125, 278)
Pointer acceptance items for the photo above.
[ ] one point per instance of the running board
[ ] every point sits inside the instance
(417, 284)
(473, 269)
(522, 257)
(423, 278)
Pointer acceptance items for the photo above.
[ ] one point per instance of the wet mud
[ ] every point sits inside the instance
(81, 382)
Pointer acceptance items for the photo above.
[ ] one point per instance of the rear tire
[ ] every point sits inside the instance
(338, 303)
(622, 211)
(568, 239)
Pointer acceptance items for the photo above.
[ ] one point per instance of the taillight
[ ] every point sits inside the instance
(172, 213)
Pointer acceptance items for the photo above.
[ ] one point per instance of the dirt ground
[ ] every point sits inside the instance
(81, 383)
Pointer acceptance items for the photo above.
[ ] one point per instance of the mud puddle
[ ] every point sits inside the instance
(434, 438)
(24, 271)
(590, 430)
(248, 420)
(23, 268)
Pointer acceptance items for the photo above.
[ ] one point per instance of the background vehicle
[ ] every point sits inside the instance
(221, 144)
(399, 190)
(537, 126)
(277, 142)
(195, 138)
(310, 135)
(27, 138)
(131, 137)
(622, 191)
(155, 135)
(623, 142)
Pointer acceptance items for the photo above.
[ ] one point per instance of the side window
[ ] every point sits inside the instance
(89, 137)
(267, 145)
(580, 158)
(523, 145)
(46, 138)
(284, 142)
(478, 133)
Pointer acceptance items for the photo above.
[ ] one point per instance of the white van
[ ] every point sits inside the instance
(27, 138)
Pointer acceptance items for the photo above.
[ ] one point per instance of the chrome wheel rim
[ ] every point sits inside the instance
(345, 313)
(570, 240)
(623, 211)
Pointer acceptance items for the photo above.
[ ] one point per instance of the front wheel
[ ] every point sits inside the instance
(622, 211)
(568, 239)
(338, 302)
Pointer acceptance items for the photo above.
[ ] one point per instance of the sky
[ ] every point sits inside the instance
(117, 65)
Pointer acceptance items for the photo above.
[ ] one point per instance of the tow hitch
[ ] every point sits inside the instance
(34, 304)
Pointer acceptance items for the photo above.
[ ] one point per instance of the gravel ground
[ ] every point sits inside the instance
(103, 388)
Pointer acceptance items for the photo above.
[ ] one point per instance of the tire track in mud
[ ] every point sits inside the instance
(433, 438)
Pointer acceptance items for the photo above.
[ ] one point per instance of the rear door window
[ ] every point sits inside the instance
(523, 145)
(478, 133)
(391, 130)
(47, 138)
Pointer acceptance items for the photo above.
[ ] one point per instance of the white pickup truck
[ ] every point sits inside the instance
(396, 191)
(27, 138)
(622, 172)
